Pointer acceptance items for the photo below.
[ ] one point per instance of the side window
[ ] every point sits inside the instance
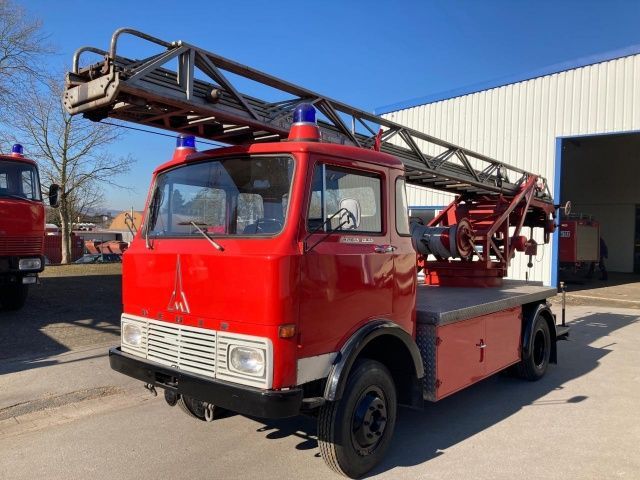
(27, 180)
(331, 185)
(402, 209)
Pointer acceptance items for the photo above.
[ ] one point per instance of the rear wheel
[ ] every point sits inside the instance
(355, 431)
(13, 297)
(534, 366)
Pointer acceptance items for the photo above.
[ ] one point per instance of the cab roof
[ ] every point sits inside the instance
(329, 149)
(16, 159)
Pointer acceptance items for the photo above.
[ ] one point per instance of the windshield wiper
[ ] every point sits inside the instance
(204, 234)
(154, 209)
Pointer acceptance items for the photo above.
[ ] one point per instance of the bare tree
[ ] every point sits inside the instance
(21, 45)
(71, 151)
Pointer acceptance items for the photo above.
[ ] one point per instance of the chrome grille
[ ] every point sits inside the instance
(197, 350)
(187, 348)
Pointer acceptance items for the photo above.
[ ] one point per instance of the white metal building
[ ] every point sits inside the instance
(577, 124)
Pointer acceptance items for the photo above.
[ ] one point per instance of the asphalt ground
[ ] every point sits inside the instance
(65, 415)
(75, 306)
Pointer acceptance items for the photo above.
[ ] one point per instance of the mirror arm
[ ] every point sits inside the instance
(318, 228)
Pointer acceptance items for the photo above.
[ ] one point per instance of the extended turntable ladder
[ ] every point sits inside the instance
(189, 90)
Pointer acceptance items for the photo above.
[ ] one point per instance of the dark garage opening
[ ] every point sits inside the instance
(600, 175)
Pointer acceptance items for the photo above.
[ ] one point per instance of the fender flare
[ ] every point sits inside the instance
(529, 314)
(337, 379)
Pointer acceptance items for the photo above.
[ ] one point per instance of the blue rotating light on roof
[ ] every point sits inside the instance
(304, 113)
(17, 149)
(186, 141)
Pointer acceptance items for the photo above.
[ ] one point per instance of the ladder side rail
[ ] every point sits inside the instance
(148, 74)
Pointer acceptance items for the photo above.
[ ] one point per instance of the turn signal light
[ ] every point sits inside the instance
(287, 331)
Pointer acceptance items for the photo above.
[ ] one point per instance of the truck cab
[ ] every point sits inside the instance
(247, 244)
(21, 227)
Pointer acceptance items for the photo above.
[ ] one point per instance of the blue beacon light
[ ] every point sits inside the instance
(17, 149)
(304, 113)
(186, 141)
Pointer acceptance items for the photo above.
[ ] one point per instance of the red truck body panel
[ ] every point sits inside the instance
(21, 221)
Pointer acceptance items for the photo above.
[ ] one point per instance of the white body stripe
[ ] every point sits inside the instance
(314, 368)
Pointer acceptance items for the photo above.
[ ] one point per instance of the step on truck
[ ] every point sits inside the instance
(22, 221)
(278, 275)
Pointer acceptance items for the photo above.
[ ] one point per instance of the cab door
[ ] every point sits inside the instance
(347, 274)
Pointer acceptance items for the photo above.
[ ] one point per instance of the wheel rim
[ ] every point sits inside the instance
(369, 420)
(539, 349)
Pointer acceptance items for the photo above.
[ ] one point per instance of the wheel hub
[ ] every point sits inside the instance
(539, 349)
(369, 421)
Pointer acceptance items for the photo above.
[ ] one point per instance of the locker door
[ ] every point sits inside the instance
(460, 357)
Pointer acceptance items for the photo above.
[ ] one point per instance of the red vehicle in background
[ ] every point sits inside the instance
(22, 221)
(278, 276)
(579, 244)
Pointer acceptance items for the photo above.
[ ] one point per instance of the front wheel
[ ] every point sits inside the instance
(13, 297)
(534, 366)
(355, 431)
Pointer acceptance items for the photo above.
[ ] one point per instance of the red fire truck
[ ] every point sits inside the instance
(21, 227)
(277, 276)
(579, 244)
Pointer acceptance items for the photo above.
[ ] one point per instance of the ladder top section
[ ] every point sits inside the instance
(188, 90)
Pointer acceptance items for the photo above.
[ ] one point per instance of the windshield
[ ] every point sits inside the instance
(19, 179)
(231, 196)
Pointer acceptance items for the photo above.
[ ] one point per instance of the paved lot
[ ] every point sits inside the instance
(68, 416)
(76, 306)
(621, 290)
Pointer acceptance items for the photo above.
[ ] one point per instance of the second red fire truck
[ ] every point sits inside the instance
(21, 227)
(277, 276)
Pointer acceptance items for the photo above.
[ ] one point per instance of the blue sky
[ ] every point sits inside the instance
(366, 53)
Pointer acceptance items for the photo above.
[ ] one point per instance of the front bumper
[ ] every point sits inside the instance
(9, 271)
(237, 398)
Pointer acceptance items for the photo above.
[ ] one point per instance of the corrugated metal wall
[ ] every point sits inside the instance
(519, 123)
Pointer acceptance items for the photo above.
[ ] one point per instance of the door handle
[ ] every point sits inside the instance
(481, 344)
(384, 248)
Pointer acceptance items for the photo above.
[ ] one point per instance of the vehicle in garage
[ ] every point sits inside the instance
(579, 244)
(337, 325)
(22, 226)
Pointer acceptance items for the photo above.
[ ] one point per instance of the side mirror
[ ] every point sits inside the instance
(350, 213)
(54, 190)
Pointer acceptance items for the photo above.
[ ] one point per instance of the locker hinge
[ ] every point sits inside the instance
(438, 341)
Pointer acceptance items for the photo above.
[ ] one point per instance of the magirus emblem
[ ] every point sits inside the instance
(178, 301)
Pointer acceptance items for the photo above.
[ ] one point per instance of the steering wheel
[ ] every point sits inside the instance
(259, 228)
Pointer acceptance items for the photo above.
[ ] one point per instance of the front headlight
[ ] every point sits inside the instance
(247, 360)
(29, 264)
(132, 334)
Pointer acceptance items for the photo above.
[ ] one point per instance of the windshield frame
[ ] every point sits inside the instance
(38, 186)
(146, 233)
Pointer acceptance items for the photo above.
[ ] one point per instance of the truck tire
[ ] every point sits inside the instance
(13, 297)
(355, 431)
(197, 409)
(534, 366)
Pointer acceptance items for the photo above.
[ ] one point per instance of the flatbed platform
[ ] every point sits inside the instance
(436, 305)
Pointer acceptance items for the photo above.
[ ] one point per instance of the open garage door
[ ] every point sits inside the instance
(601, 176)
